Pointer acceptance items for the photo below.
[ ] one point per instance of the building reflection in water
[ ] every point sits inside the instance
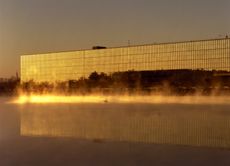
(195, 125)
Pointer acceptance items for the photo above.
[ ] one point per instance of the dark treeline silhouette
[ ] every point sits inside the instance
(168, 82)
(9, 86)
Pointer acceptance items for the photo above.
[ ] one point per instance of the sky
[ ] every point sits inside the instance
(41, 26)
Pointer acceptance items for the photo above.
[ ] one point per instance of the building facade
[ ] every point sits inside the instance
(204, 54)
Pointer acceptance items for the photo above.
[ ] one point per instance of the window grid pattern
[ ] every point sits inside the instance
(206, 55)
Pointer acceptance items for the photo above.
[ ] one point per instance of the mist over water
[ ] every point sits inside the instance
(148, 99)
(177, 120)
(117, 128)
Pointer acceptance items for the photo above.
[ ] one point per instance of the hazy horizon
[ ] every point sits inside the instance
(30, 26)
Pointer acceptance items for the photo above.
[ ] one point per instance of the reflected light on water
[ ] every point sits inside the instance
(46, 99)
(58, 99)
(177, 120)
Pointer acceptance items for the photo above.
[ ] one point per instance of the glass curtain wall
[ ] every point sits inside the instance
(63, 66)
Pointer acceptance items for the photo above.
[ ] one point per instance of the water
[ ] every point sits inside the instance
(110, 133)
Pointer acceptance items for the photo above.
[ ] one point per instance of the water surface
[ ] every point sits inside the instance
(114, 134)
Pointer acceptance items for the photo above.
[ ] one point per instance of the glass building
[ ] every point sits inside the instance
(203, 54)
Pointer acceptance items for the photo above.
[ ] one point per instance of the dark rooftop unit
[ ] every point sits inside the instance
(98, 47)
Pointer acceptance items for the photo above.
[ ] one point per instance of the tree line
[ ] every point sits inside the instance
(179, 82)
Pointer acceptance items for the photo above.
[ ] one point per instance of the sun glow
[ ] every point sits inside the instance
(40, 99)
(58, 99)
